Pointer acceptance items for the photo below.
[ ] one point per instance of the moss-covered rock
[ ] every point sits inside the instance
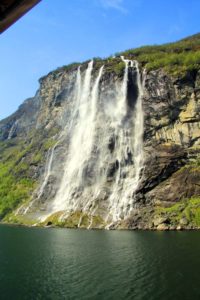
(185, 213)
(76, 219)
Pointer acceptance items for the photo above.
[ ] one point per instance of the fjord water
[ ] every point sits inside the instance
(83, 264)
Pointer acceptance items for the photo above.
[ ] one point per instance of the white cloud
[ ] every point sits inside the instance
(115, 4)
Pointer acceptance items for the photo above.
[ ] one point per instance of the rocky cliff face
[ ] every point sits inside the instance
(75, 162)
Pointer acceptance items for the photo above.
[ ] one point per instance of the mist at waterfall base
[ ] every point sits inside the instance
(74, 264)
(103, 147)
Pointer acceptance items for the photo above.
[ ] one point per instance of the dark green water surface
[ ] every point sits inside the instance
(80, 264)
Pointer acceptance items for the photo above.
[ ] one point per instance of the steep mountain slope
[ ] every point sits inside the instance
(108, 143)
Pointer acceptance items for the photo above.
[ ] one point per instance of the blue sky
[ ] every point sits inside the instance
(56, 33)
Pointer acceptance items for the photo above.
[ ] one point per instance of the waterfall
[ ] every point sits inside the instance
(95, 94)
(80, 145)
(47, 172)
(85, 97)
(129, 143)
(12, 130)
(103, 147)
(139, 128)
(122, 107)
(78, 86)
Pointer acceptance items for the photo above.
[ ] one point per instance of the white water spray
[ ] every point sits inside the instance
(47, 170)
(129, 144)
(81, 145)
(104, 154)
(12, 130)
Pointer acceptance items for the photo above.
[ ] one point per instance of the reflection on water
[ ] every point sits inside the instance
(80, 264)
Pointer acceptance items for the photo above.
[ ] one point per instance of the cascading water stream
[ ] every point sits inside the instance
(80, 146)
(47, 171)
(78, 86)
(103, 156)
(139, 128)
(12, 130)
(130, 142)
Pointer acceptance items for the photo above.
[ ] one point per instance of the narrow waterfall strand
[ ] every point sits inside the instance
(82, 137)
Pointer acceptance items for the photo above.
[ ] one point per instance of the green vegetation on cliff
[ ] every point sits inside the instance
(15, 184)
(176, 58)
(186, 212)
(18, 160)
